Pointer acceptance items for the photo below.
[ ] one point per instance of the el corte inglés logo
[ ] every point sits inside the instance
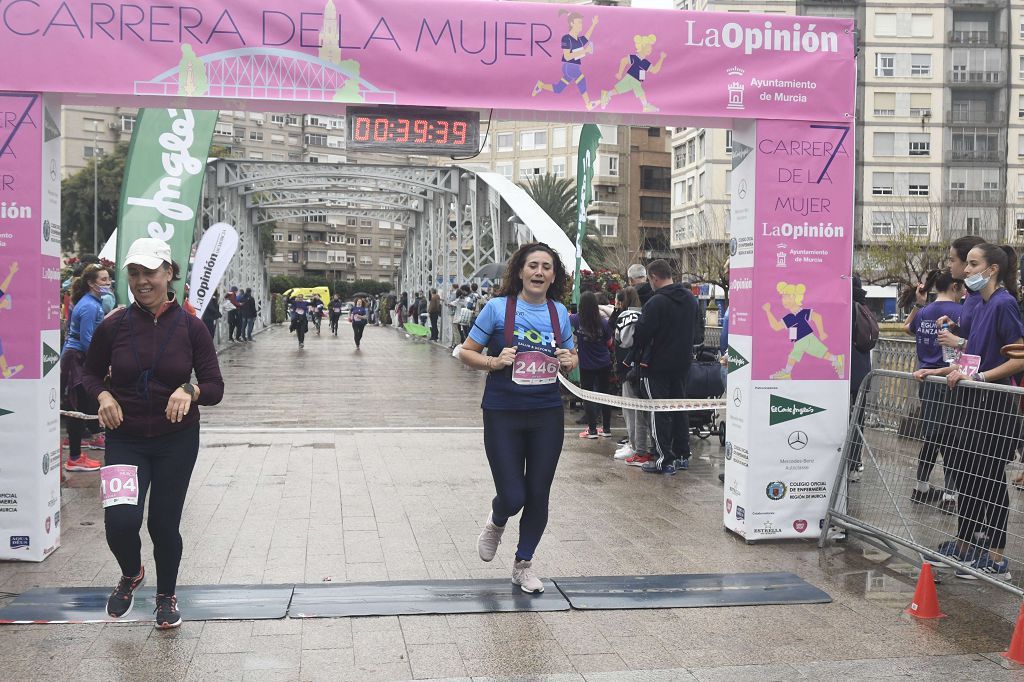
(785, 409)
(51, 358)
(736, 361)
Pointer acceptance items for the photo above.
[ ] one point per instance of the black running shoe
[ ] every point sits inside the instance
(122, 599)
(167, 614)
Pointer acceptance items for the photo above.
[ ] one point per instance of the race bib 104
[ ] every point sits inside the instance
(533, 367)
(119, 484)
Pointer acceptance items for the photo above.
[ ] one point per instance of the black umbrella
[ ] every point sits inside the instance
(360, 294)
(490, 271)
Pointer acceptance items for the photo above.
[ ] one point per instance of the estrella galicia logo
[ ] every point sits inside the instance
(20, 542)
(786, 409)
(775, 490)
(728, 505)
(46, 230)
(46, 525)
(741, 513)
(728, 450)
(736, 361)
(56, 518)
(733, 246)
(46, 463)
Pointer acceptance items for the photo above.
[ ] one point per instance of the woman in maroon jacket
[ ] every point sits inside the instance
(149, 410)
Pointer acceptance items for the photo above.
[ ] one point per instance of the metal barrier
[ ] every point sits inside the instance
(900, 431)
(895, 353)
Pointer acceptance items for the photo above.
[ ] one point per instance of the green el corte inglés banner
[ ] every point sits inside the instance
(590, 136)
(163, 182)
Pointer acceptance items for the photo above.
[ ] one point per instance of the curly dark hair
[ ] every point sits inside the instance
(512, 283)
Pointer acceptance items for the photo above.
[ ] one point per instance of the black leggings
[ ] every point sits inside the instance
(523, 447)
(357, 330)
(597, 380)
(166, 462)
(334, 323)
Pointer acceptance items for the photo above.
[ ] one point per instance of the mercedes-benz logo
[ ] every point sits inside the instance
(53, 399)
(53, 169)
(742, 189)
(797, 440)
(737, 398)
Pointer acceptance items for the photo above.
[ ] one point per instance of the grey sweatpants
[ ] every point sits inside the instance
(638, 423)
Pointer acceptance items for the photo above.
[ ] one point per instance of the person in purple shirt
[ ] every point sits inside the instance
(922, 324)
(593, 340)
(357, 316)
(300, 318)
(984, 427)
(956, 261)
(574, 48)
(150, 350)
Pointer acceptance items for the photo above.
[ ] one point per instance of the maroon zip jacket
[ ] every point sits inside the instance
(190, 347)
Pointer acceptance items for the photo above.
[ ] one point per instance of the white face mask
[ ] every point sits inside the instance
(977, 281)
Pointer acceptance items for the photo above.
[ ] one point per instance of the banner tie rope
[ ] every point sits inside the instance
(644, 404)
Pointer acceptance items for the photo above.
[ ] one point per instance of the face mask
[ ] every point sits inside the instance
(977, 281)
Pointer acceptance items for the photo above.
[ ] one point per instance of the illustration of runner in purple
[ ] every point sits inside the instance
(635, 67)
(574, 48)
(801, 334)
(6, 370)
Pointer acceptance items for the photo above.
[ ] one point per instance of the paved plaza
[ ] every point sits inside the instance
(331, 464)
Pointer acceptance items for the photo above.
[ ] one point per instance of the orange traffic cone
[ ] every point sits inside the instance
(926, 601)
(1016, 652)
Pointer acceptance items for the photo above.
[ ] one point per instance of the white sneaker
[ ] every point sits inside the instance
(490, 538)
(624, 452)
(522, 575)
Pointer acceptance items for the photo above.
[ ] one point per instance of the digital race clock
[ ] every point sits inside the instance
(414, 131)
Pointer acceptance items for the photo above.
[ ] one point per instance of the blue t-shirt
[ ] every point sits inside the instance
(636, 66)
(85, 317)
(801, 321)
(995, 324)
(532, 333)
(300, 308)
(929, 352)
(572, 44)
(967, 312)
(358, 313)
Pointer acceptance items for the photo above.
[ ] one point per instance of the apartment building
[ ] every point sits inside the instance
(940, 123)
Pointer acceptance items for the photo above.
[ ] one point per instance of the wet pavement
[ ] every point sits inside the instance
(331, 464)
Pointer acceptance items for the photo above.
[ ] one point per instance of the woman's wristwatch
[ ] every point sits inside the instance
(190, 389)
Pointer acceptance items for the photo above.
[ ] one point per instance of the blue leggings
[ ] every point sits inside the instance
(523, 447)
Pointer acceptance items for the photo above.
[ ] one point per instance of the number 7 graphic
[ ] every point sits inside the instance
(835, 150)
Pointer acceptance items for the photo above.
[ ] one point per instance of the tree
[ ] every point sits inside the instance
(76, 210)
(557, 197)
(901, 259)
(707, 261)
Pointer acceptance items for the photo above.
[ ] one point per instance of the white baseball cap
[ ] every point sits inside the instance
(148, 252)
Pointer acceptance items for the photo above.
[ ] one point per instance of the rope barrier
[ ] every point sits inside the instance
(643, 404)
(77, 415)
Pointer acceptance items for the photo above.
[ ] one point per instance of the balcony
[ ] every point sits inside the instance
(603, 208)
(975, 196)
(981, 38)
(975, 155)
(977, 78)
(973, 4)
(976, 117)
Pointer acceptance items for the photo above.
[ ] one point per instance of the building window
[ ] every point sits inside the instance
(313, 139)
(882, 184)
(278, 237)
(127, 123)
(256, 135)
(917, 224)
(384, 262)
(531, 167)
(918, 184)
(973, 225)
(90, 151)
(728, 141)
(365, 260)
(1020, 68)
(365, 241)
(921, 65)
(700, 146)
(885, 104)
(533, 139)
(558, 167)
(728, 182)
(885, 65)
(223, 129)
(679, 153)
(920, 104)
(1020, 223)
(558, 138)
(654, 132)
(295, 256)
(655, 178)
(886, 25)
(920, 144)
(384, 242)
(607, 226)
(655, 208)
(702, 185)
(365, 222)
(397, 261)
(612, 165)
(256, 156)
(881, 223)
(921, 26)
(504, 169)
(277, 118)
(505, 142)
(884, 144)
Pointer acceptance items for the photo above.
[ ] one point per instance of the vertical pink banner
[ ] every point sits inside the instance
(741, 301)
(23, 307)
(803, 251)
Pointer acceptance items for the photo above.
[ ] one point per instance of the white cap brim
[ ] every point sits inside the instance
(148, 262)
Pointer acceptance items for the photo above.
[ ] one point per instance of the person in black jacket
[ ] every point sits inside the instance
(664, 342)
(212, 313)
(637, 275)
(247, 313)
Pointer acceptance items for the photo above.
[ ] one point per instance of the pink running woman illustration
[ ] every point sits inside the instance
(801, 335)
(7, 371)
(636, 67)
(574, 48)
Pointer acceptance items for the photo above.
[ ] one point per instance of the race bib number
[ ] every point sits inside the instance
(968, 364)
(533, 367)
(119, 484)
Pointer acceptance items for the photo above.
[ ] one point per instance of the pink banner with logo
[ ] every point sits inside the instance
(512, 57)
(803, 251)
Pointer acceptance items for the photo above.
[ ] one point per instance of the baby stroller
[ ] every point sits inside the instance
(704, 381)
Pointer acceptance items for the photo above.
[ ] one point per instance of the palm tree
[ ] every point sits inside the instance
(557, 197)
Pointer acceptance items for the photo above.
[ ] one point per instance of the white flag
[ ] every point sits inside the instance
(216, 249)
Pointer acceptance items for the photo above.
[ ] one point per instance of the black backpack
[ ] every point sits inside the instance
(865, 328)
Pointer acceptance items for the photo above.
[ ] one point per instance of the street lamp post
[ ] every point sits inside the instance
(95, 190)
